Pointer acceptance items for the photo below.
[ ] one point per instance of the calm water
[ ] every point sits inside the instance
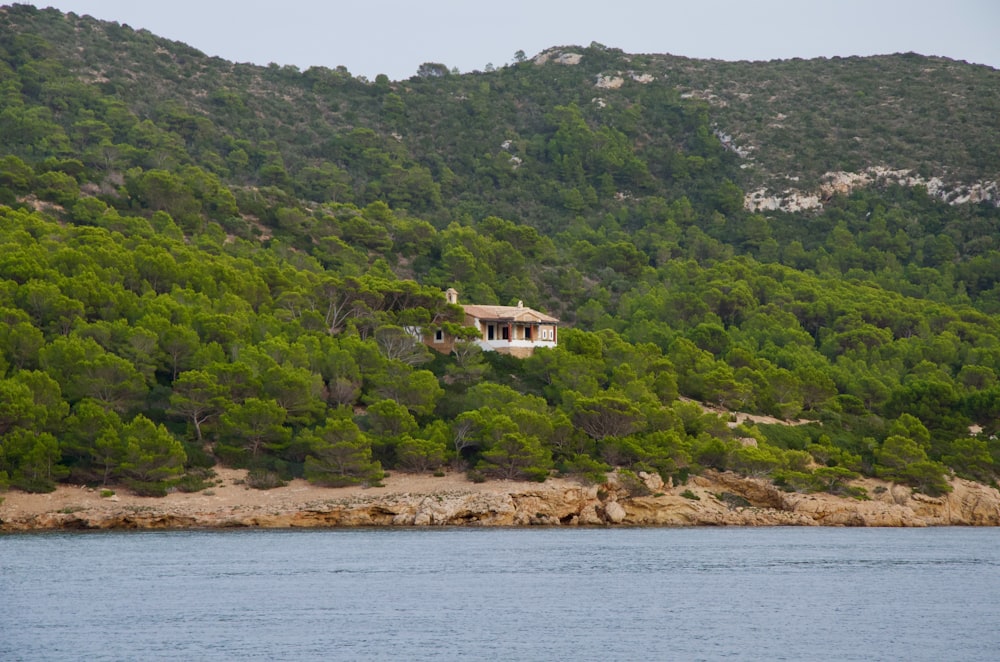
(523, 594)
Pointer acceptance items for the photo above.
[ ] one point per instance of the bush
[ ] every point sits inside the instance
(591, 470)
(34, 485)
(195, 481)
(150, 488)
(688, 494)
(733, 500)
(197, 456)
(796, 481)
(263, 479)
(857, 492)
(632, 484)
(927, 477)
(681, 476)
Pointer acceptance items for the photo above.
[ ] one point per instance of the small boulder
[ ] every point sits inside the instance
(589, 516)
(614, 512)
(652, 481)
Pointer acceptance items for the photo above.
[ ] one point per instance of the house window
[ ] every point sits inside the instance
(505, 333)
(545, 334)
(489, 332)
(527, 333)
(439, 336)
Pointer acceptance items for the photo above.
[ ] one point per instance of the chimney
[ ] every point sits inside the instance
(451, 295)
(520, 304)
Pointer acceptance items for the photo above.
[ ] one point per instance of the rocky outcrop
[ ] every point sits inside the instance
(843, 183)
(713, 499)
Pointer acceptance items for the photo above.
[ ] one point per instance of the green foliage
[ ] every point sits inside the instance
(632, 484)
(182, 246)
(263, 479)
(833, 480)
(31, 460)
(195, 480)
(255, 426)
(339, 454)
(151, 456)
(515, 456)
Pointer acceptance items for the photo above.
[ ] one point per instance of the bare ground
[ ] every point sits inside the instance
(231, 494)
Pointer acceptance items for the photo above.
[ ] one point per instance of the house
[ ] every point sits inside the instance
(515, 330)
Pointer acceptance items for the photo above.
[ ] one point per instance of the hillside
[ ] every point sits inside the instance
(205, 263)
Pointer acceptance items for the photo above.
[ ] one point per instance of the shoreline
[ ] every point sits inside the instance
(711, 499)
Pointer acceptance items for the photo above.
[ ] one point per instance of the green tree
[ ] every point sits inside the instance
(387, 418)
(971, 459)
(255, 426)
(340, 455)
(834, 479)
(152, 456)
(197, 398)
(607, 415)
(516, 456)
(16, 405)
(92, 440)
(31, 460)
(422, 453)
(417, 390)
(298, 391)
(896, 453)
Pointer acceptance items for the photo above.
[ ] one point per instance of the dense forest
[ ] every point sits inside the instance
(204, 262)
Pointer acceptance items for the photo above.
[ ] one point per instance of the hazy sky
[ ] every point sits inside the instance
(394, 37)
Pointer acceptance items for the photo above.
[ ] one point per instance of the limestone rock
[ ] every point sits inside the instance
(725, 499)
(589, 516)
(614, 512)
(652, 481)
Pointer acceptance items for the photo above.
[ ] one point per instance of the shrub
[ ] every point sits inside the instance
(194, 481)
(733, 500)
(681, 476)
(857, 492)
(263, 479)
(688, 494)
(796, 481)
(632, 484)
(591, 470)
(151, 488)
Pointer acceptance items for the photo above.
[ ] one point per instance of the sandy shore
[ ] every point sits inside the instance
(232, 495)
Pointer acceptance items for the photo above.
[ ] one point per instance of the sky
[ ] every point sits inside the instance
(394, 37)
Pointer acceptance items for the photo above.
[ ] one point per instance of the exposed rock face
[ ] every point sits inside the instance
(558, 57)
(717, 499)
(792, 200)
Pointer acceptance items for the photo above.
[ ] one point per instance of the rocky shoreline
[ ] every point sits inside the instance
(713, 499)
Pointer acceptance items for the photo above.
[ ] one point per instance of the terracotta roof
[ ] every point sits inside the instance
(508, 313)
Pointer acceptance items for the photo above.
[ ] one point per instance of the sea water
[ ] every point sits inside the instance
(503, 594)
